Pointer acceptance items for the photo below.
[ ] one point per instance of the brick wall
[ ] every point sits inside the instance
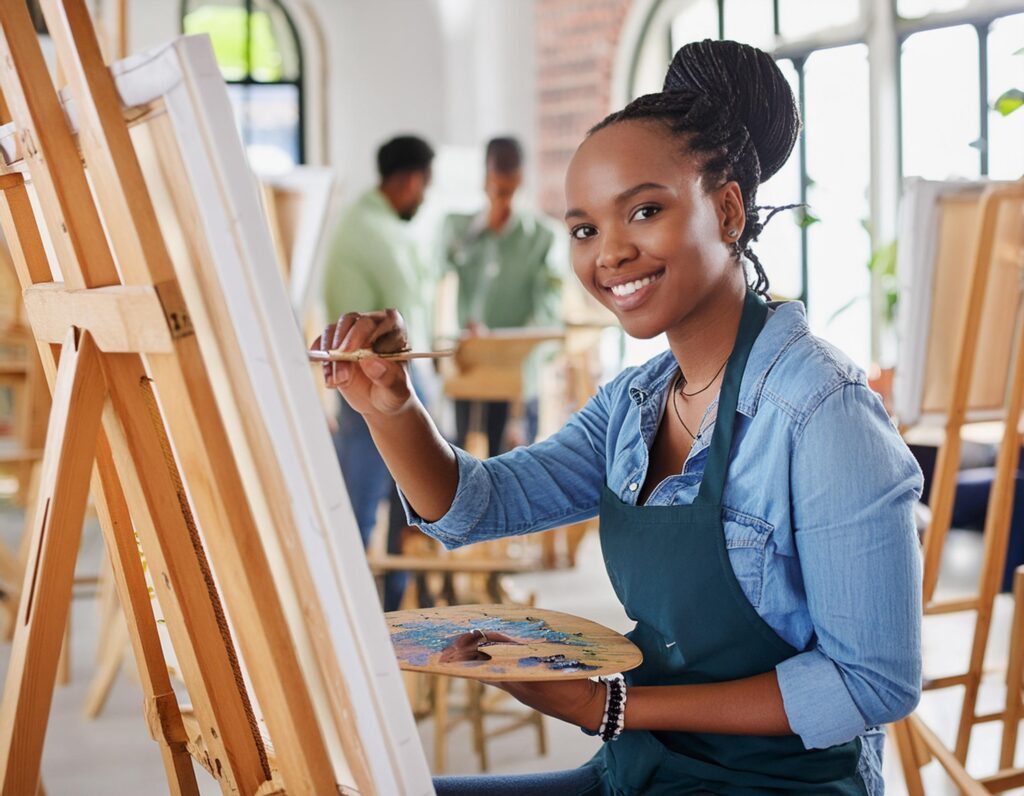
(576, 43)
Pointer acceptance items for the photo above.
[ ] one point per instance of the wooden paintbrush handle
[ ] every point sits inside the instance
(366, 353)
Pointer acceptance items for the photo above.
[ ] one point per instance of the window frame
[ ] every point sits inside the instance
(299, 82)
(883, 31)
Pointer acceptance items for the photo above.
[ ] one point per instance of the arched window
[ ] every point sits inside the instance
(950, 60)
(260, 57)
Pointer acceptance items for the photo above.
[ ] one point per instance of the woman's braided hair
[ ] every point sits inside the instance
(734, 107)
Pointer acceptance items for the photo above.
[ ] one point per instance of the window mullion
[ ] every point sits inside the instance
(798, 64)
(982, 31)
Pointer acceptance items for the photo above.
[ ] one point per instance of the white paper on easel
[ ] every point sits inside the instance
(917, 257)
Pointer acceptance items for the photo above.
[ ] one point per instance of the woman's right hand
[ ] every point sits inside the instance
(371, 386)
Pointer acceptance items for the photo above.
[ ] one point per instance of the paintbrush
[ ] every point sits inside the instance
(368, 353)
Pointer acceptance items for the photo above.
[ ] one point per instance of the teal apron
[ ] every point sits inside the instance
(670, 568)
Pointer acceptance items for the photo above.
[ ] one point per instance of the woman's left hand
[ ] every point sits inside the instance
(579, 702)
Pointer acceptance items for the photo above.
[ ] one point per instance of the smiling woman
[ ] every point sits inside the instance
(772, 573)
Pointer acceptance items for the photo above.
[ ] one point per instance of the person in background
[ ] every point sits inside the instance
(505, 261)
(374, 262)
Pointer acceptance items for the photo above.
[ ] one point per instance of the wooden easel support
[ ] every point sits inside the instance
(917, 745)
(19, 228)
(155, 396)
(78, 399)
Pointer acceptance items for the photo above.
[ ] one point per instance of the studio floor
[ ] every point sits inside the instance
(114, 754)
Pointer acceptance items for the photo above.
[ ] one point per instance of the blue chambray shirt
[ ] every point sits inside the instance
(818, 517)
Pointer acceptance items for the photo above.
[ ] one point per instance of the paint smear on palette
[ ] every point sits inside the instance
(558, 663)
(416, 642)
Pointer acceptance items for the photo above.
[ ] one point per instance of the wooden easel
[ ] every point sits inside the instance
(21, 371)
(296, 205)
(134, 395)
(999, 237)
(922, 742)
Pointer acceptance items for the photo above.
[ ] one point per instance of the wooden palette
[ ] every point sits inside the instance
(547, 645)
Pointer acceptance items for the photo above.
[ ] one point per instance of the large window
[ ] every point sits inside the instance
(951, 77)
(258, 52)
(819, 255)
(951, 59)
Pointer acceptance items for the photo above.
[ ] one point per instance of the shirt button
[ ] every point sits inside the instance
(634, 487)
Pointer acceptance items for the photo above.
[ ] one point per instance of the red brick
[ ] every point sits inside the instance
(576, 41)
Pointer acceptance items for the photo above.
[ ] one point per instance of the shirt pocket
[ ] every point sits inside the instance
(745, 539)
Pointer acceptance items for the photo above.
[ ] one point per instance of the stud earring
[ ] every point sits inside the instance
(732, 233)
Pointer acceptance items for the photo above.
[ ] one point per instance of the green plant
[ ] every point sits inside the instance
(1009, 101)
(882, 265)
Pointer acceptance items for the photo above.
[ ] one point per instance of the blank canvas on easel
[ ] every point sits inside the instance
(937, 242)
(209, 213)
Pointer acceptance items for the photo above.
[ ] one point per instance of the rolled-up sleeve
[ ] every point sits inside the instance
(854, 486)
(552, 483)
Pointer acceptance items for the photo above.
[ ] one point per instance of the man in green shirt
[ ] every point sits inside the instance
(374, 263)
(504, 259)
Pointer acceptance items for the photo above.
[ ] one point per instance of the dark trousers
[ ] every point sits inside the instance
(583, 781)
(368, 482)
(488, 416)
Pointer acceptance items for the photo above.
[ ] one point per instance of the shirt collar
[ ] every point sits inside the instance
(787, 320)
(478, 225)
(379, 203)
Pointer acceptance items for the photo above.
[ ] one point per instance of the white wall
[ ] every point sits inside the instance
(454, 71)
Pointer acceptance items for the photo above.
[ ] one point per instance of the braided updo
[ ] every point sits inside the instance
(733, 106)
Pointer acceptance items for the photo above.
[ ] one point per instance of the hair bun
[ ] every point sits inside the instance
(747, 83)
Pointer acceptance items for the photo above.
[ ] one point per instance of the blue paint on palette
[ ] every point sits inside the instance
(417, 641)
(558, 663)
(419, 658)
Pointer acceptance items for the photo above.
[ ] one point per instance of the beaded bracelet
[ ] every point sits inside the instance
(616, 713)
(613, 720)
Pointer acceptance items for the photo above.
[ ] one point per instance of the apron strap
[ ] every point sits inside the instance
(712, 485)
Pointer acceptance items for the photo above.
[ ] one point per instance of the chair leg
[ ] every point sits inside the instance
(440, 721)
(476, 716)
(542, 738)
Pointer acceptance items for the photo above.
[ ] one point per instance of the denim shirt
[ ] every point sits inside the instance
(818, 517)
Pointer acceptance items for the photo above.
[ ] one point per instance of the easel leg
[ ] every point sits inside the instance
(1014, 672)
(64, 663)
(111, 644)
(118, 529)
(109, 666)
(26, 539)
(902, 736)
(12, 574)
(46, 594)
(162, 712)
(996, 535)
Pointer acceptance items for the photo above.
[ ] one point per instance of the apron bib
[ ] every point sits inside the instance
(670, 568)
